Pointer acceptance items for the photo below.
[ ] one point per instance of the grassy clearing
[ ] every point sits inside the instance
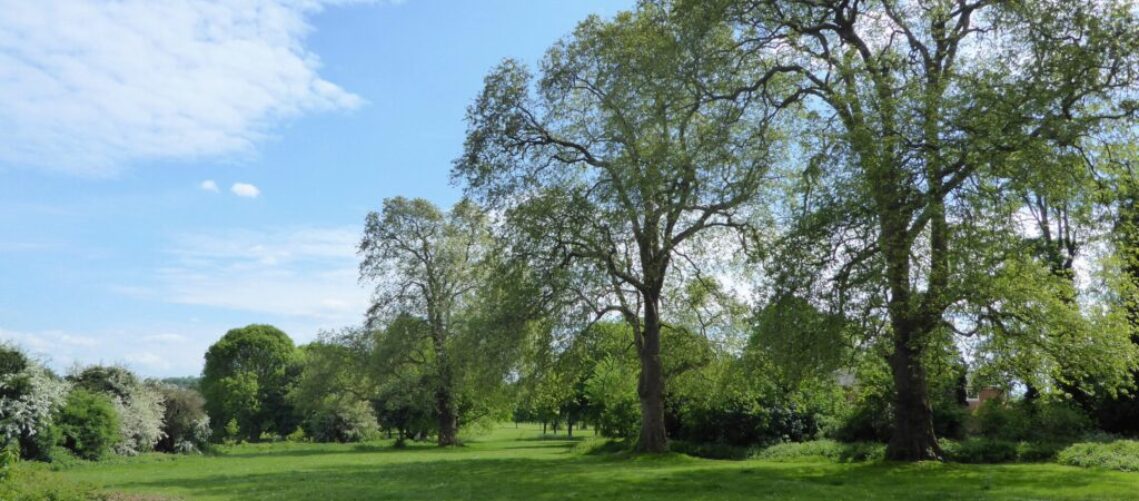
(510, 463)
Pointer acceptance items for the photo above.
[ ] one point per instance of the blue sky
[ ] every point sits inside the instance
(171, 170)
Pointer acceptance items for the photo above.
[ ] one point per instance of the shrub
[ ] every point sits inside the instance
(185, 425)
(827, 450)
(347, 422)
(745, 422)
(1032, 421)
(88, 424)
(1028, 452)
(140, 420)
(29, 397)
(139, 406)
(613, 392)
(1122, 455)
(979, 450)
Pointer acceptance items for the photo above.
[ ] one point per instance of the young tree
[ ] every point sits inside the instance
(926, 106)
(619, 158)
(428, 267)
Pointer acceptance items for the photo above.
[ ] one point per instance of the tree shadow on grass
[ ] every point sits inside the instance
(590, 478)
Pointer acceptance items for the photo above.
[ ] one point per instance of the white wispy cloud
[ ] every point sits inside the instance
(245, 190)
(89, 87)
(209, 185)
(307, 274)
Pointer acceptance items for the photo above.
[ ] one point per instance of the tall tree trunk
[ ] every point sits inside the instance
(569, 428)
(913, 438)
(444, 399)
(650, 387)
(448, 421)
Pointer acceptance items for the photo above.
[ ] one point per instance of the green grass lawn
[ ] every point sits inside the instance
(513, 463)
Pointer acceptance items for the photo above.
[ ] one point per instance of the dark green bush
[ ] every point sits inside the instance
(1122, 455)
(88, 425)
(736, 422)
(828, 450)
(1031, 421)
(40, 445)
(185, 426)
(979, 450)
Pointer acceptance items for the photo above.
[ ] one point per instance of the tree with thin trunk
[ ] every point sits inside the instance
(626, 150)
(427, 266)
(928, 103)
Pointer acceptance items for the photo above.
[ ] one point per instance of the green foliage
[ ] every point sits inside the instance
(1122, 455)
(112, 381)
(729, 402)
(632, 145)
(232, 430)
(1048, 421)
(436, 309)
(980, 450)
(828, 450)
(9, 457)
(798, 341)
(139, 406)
(870, 415)
(613, 393)
(350, 422)
(246, 377)
(29, 397)
(185, 425)
(88, 424)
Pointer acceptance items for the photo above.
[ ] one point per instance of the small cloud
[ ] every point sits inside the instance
(81, 341)
(245, 190)
(165, 339)
(209, 185)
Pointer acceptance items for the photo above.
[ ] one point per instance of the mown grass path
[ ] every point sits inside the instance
(511, 463)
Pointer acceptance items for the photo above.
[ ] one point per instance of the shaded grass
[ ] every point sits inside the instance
(504, 465)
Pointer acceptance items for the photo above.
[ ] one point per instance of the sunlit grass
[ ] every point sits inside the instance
(516, 463)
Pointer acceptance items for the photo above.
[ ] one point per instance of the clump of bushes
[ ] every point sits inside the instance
(1049, 421)
(344, 422)
(827, 450)
(88, 424)
(139, 407)
(615, 403)
(979, 450)
(185, 425)
(1122, 455)
(30, 395)
(743, 423)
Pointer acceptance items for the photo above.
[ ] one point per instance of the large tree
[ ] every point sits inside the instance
(631, 145)
(246, 379)
(428, 267)
(926, 106)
